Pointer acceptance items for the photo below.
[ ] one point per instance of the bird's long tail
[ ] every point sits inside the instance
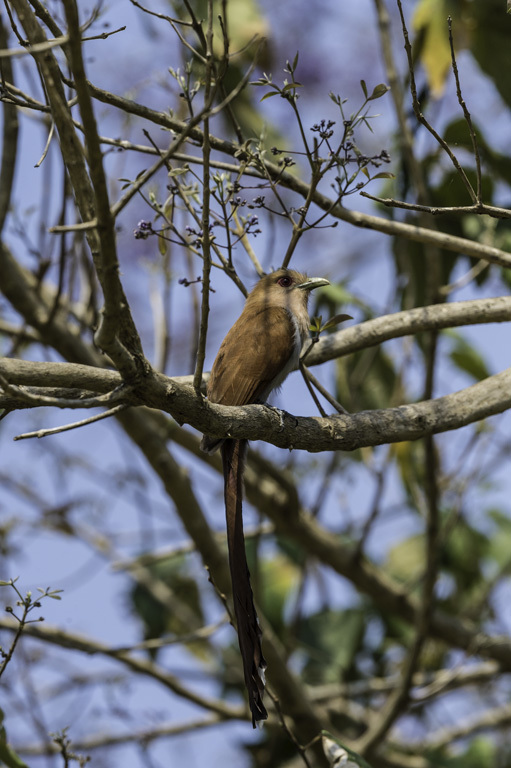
(249, 633)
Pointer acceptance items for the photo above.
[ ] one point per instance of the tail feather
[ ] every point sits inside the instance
(249, 632)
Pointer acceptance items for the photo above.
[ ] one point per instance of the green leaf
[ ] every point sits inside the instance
(327, 658)
(246, 23)
(335, 321)
(378, 91)
(269, 95)
(467, 358)
(490, 31)
(8, 757)
(364, 87)
(178, 171)
(339, 755)
(500, 542)
(384, 175)
(365, 172)
(181, 610)
(457, 135)
(315, 324)
(292, 550)
(277, 579)
(482, 752)
(162, 246)
(337, 294)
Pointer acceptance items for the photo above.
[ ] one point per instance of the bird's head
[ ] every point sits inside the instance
(285, 288)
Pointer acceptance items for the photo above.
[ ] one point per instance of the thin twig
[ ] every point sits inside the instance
(38, 399)
(381, 477)
(206, 197)
(461, 210)
(203, 633)
(34, 49)
(139, 737)
(304, 372)
(51, 133)
(319, 386)
(151, 558)
(464, 280)
(289, 733)
(418, 113)
(75, 425)
(466, 114)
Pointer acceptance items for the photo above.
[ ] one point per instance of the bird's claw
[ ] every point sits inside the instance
(280, 413)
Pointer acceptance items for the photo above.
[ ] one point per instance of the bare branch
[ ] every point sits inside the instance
(110, 333)
(457, 210)
(142, 736)
(9, 138)
(466, 113)
(76, 425)
(34, 49)
(206, 197)
(57, 636)
(432, 317)
(420, 117)
(499, 717)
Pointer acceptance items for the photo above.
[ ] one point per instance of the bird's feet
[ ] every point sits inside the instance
(280, 413)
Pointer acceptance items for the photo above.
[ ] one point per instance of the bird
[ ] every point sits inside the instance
(261, 349)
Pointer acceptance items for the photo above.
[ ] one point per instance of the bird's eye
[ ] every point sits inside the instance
(285, 282)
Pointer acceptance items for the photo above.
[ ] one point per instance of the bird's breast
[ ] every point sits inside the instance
(299, 334)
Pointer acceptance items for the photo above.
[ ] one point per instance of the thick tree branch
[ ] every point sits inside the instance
(9, 136)
(408, 422)
(109, 333)
(338, 432)
(122, 346)
(411, 321)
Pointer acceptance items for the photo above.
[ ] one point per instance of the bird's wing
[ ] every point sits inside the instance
(251, 356)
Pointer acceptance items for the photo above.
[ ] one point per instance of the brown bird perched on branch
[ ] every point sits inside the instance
(260, 350)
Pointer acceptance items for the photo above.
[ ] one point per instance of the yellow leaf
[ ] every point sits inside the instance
(244, 20)
(162, 246)
(430, 18)
(405, 561)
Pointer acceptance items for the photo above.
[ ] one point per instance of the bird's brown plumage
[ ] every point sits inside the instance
(247, 363)
(261, 349)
